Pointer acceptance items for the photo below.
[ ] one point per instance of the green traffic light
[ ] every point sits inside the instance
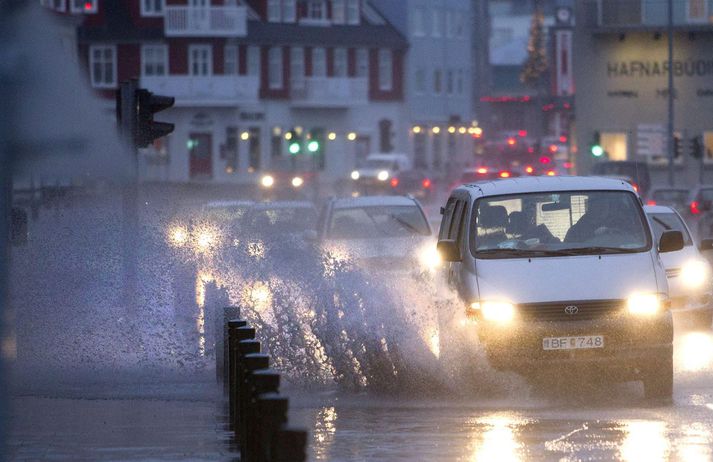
(294, 148)
(313, 146)
(597, 150)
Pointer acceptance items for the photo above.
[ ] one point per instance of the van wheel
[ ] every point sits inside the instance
(658, 379)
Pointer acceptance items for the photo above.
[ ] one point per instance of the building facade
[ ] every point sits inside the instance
(439, 78)
(250, 79)
(621, 68)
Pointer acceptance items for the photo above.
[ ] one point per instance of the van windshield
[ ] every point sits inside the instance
(558, 224)
(385, 164)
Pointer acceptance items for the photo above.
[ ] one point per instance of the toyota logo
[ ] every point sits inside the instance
(571, 309)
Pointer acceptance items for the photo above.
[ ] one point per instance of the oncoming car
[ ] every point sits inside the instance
(380, 232)
(562, 272)
(688, 272)
(281, 218)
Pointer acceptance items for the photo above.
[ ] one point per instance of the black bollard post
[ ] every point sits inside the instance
(244, 348)
(291, 446)
(250, 363)
(231, 381)
(272, 415)
(259, 382)
(221, 342)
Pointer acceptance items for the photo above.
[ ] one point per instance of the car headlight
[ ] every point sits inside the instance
(178, 236)
(206, 240)
(694, 273)
(355, 175)
(297, 181)
(383, 175)
(267, 181)
(429, 258)
(644, 304)
(499, 312)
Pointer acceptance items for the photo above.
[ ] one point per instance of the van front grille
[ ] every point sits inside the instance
(570, 311)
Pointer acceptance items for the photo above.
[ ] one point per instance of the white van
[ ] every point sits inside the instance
(562, 272)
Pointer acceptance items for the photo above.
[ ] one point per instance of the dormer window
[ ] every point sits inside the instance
(316, 10)
(152, 7)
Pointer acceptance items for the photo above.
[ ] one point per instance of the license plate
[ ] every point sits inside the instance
(573, 343)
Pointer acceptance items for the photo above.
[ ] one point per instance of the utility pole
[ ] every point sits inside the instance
(669, 33)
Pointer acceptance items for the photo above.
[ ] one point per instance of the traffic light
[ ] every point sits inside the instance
(147, 129)
(295, 145)
(596, 148)
(677, 146)
(314, 141)
(696, 147)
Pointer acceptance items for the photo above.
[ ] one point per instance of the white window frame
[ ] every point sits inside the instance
(297, 67)
(419, 22)
(93, 61)
(386, 69)
(362, 63)
(231, 59)
(154, 11)
(274, 10)
(341, 62)
(289, 10)
(697, 19)
(436, 23)
(253, 59)
(319, 56)
(145, 61)
(208, 63)
(353, 14)
(79, 8)
(275, 71)
(339, 12)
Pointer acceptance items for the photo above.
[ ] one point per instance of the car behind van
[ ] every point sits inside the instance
(562, 273)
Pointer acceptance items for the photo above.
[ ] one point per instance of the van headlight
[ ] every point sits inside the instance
(694, 273)
(267, 181)
(355, 175)
(498, 312)
(645, 304)
(429, 258)
(383, 175)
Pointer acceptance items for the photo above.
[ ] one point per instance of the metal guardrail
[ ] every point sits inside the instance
(258, 412)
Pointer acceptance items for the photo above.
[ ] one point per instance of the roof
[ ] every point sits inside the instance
(283, 205)
(658, 209)
(372, 201)
(670, 188)
(364, 35)
(546, 184)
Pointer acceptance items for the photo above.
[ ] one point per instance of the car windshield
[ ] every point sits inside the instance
(673, 196)
(379, 163)
(378, 222)
(661, 222)
(283, 220)
(225, 214)
(558, 224)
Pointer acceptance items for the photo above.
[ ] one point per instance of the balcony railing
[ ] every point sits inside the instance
(206, 21)
(214, 90)
(329, 91)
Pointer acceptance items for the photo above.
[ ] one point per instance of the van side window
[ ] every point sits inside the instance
(444, 231)
(454, 232)
(452, 219)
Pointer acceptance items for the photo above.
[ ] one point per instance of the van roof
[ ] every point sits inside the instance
(545, 184)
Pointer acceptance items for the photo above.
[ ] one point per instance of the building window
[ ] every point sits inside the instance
(437, 84)
(319, 62)
(200, 59)
(253, 61)
(362, 62)
(274, 10)
(353, 12)
(339, 14)
(274, 64)
(316, 10)
(57, 5)
(449, 82)
(289, 11)
(460, 26)
(449, 24)
(152, 7)
(459, 82)
(340, 62)
(230, 150)
(707, 146)
(697, 10)
(154, 60)
(254, 143)
(276, 142)
(230, 60)
(386, 70)
(420, 81)
(83, 6)
(102, 62)
(419, 150)
(615, 145)
(437, 29)
(419, 23)
(297, 67)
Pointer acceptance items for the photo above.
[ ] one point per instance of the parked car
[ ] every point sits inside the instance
(637, 171)
(418, 183)
(678, 198)
(562, 274)
(700, 211)
(690, 283)
(380, 232)
(281, 218)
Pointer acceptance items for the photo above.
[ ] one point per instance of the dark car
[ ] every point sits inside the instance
(417, 183)
(637, 171)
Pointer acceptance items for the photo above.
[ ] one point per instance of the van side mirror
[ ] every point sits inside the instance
(671, 241)
(706, 244)
(18, 227)
(449, 251)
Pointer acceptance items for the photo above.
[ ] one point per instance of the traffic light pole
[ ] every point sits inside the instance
(669, 33)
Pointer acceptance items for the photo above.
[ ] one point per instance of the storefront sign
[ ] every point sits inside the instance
(638, 69)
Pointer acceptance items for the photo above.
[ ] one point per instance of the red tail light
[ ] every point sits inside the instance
(504, 174)
(511, 141)
(545, 160)
(694, 208)
(650, 202)
(426, 183)
(394, 182)
(635, 186)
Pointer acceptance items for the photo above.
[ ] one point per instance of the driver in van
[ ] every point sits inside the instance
(603, 216)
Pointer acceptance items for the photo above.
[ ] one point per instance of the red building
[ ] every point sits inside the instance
(251, 77)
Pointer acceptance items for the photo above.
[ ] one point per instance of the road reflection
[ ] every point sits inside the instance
(497, 435)
(644, 441)
(694, 352)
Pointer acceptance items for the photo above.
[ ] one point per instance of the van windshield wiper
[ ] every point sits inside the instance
(598, 250)
(494, 253)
